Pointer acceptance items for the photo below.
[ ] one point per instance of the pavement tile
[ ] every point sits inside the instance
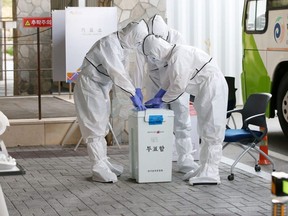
(59, 185)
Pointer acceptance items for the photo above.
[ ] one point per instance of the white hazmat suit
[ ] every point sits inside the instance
(102, 67)
(193, 71)
(183, 147)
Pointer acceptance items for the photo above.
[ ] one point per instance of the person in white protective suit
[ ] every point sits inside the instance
(182, 147)
(193, 71)
(6, 161)
(101, 68)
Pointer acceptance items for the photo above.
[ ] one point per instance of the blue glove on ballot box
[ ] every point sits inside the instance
(150, 145)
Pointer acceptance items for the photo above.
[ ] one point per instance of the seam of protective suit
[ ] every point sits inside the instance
(201, 68)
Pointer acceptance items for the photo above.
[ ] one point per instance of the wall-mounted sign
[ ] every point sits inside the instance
(36, 22)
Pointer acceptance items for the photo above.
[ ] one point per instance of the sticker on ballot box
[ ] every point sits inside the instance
(155, 119)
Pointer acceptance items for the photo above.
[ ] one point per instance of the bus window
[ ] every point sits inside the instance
(256, 20)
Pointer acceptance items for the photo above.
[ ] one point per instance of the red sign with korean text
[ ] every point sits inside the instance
(32, 22)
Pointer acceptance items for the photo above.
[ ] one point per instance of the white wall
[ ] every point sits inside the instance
(214, 26)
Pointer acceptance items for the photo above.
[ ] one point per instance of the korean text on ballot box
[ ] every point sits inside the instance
(150, 145)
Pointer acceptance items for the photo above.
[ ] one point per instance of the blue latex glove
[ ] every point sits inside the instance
(137, 103)
(154, 103)
(160, 93)
(139, 94)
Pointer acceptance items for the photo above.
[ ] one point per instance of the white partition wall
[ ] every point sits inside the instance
(58, 45)
(215, 27)
(84, 26)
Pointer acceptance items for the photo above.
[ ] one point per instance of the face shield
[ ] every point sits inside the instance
(157, 26)
(132, 36)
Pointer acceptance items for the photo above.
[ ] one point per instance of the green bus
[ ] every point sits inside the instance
(265, 54)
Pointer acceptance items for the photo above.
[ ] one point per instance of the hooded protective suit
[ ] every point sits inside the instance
(157, 74)
(133, 42)
(102, 67)
(4, 122)
(192, 70)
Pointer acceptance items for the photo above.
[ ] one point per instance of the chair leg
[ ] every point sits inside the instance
(255, 159)
(244, 148)
(225, 145)
(266, 156)
(78, 143)
(253, 156)
(110, 126)
(238, 159)
(69, 132)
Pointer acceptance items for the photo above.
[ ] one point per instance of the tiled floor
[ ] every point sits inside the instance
(57, 182)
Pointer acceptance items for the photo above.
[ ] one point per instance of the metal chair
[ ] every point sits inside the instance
(253, 130)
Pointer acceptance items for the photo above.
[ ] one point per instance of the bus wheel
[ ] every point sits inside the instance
(282, 104)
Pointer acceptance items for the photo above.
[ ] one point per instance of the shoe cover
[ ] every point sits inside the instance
(97, 154)
(6, 162)
(204, 181)
(186, 164)
(102, 173)
(115, 168)
(191, 174)
(207, 174)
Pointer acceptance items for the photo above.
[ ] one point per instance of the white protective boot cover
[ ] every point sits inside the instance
(102, 173)
(115, 168)
(6, 161)
(185, 162)
(182, 131)
(210, 158)
(100, 170)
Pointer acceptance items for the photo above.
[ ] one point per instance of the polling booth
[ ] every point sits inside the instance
(75, 30)
(150, 145)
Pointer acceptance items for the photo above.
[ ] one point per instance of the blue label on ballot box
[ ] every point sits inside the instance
(155, 119)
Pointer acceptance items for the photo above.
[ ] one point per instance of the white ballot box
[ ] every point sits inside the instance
(150, 145)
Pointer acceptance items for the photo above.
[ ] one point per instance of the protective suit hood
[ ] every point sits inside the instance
(156, 48)
(133, 34)
(157, 26)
